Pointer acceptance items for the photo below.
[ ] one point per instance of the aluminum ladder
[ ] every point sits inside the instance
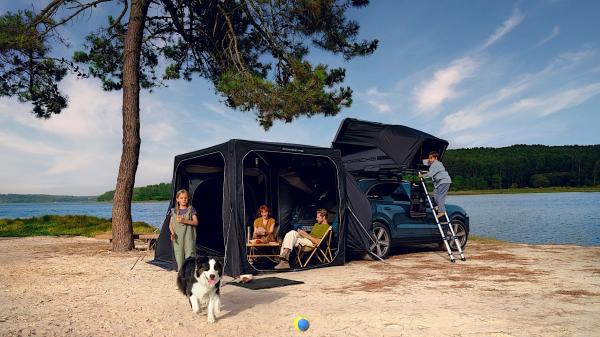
(444, 235)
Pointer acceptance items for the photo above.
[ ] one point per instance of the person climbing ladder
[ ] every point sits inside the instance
(441, 182)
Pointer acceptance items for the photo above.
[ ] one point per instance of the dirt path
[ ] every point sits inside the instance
(77, 287)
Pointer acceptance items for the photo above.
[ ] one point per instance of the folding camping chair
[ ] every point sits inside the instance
(321, 250)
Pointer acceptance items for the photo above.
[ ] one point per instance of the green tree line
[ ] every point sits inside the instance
(28, 198)
(157, 192)
(514, 166)
(520, 166)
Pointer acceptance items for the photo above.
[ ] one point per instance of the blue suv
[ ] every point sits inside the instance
(401, 216)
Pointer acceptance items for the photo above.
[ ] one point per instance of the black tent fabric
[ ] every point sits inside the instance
(164, 248)
(371, 147)
(359, 217)
(228, 182)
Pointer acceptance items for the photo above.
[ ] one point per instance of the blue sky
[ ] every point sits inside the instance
(477, 73)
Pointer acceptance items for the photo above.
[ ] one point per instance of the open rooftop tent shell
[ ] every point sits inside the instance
(228, 182)
(370, 147)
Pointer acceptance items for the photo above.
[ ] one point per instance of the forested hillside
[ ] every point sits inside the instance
(515, 166)
(523, 166)
(28, 198)
(161, 191)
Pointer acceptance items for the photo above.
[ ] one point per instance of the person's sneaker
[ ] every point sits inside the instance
(439, 215)
(282, 265)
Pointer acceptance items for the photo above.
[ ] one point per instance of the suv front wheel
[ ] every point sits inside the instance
(380, 245)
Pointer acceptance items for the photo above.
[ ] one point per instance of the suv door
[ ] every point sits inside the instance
(392, 204)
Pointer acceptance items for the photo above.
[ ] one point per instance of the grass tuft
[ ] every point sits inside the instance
(54, 225)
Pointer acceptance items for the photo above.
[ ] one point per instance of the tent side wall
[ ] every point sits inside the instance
(164, 255)
(235, 262)
(358, 218)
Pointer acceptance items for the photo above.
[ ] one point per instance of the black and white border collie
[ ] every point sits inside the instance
(200, 280)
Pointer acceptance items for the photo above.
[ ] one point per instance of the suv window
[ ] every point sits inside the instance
(388, 192)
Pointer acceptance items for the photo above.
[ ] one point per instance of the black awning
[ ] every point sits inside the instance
(371, 147)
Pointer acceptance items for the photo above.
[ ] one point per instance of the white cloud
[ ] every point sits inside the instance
(158, 132)
(26, 145)
(509, 24)
(215, 108)
(461, 120)
(476, 115)
(555, 32)
(557, 101)
(489, 108)
(432, 94)
(575, 57)
(377, 99)
(156, 169)
(76, 151)
(82, 163)
(539, 106)
(470, 139)
(91, 112)
(237, 117)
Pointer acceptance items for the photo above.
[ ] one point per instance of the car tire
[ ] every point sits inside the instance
(462, 234)
(381, 243)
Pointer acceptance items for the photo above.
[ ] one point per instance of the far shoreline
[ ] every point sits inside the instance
(526, 190)
(521, 190)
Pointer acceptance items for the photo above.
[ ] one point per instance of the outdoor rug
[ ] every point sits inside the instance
(266, 282)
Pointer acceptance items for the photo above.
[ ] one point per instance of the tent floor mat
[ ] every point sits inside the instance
(169, 266)
(266, 282)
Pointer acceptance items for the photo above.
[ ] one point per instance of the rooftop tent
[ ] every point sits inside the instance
(228, 183)
(372, 147)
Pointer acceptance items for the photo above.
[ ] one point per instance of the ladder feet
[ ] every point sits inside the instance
(463, 259)
(452, 260)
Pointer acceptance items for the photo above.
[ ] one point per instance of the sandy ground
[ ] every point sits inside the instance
(77, 287)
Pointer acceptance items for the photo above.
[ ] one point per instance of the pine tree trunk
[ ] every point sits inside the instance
(122, 229)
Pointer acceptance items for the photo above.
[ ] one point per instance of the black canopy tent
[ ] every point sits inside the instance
(376, 147)
(228, 182)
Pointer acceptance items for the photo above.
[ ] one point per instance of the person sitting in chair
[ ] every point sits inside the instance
(264, 226)
(300, 237)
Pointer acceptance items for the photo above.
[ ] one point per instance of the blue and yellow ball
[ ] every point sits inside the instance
(301, 323)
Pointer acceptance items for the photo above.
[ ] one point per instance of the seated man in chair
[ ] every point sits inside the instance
(300, 237)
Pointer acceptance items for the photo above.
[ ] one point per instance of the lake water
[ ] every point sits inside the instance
(535, 217)
(149, 212)
(528, 218)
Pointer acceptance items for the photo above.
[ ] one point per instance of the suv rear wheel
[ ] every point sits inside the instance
(461, 234)
(381, 243)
